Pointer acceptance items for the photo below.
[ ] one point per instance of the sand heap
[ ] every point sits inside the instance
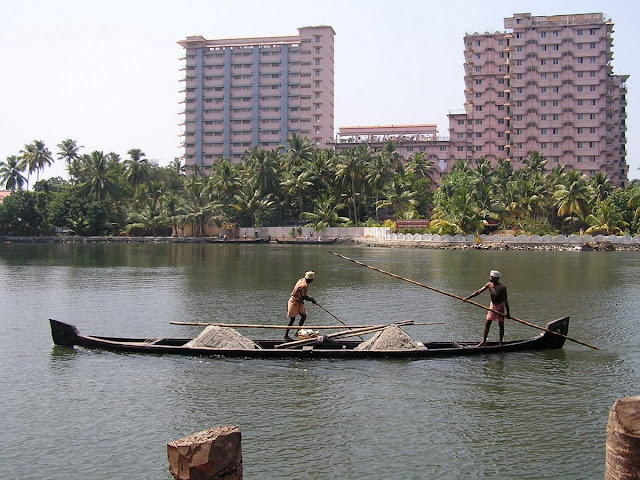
(392, 337)
(222, 337)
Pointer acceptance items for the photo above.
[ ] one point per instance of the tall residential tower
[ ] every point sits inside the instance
(544, 85)
(257, 92)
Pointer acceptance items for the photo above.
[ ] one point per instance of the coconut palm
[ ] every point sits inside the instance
(11, 174)
(462, 216)
(535, 164)
(379, 173)
(35, 157)
(397, 196)
(70, 153)
(262, 170)
(297, 183)
(419, 166)
(98, 181)
(225, 178)
(351, 167)
(253, 205)
(572, 197)
(601, 186)
(606, 220)
(388, 150)
(325, 214)
(200, 206)
(177, 165)
(299, 150)
(136, 167)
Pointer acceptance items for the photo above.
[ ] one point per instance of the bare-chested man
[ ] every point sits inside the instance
(499, 302)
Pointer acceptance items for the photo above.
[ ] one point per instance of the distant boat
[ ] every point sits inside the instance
(305, 241)
(236, 240)
(68, 336)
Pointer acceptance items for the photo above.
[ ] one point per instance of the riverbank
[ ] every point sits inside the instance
(449, 243)
(497, 245)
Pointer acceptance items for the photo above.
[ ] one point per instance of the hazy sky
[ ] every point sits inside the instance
(106, 74)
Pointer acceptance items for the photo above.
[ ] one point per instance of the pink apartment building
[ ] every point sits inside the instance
(545, 84)
(256, 92)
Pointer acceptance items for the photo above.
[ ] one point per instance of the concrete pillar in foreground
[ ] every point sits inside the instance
(214, 454)
(623, 440)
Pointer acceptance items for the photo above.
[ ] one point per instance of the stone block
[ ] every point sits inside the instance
(214, 454)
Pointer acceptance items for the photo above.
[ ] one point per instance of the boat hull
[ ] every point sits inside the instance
(67, 335)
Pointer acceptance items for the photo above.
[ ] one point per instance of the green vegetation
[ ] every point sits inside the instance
(301, 184)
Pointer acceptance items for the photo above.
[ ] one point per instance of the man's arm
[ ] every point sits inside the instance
(478, 292)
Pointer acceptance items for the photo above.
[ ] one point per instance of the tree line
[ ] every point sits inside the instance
(302, 184)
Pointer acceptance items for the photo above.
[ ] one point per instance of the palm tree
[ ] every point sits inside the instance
(325, 214)
(262, 170)
(69, 152)
(35, 157)
(299, 150)
(601, 186)
(137, 167)
(11, 174)
(379, 173)
(253, 205)
(225, 178)
(535, 163)
(463, 216)
(572, 197)
(398, 197)
(388, 150)
(297, 184)
(199, 204)
(606, 220)
(98, 181)
(351, 168)
(177, 165)
(419, 166)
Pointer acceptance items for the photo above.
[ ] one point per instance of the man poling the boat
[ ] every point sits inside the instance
(295, 305)
(499, 303)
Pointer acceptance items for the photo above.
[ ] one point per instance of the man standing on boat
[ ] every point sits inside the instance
(295, 306)
(499, 303)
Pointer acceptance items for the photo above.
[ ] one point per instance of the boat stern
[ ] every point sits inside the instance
(63, 334)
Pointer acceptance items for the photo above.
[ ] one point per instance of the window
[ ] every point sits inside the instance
(318, 39)
(543, 48)
(543, 118)
(580, 130)
(592, 59)
(460, 122)
(579, 46)
(579, 32)
(555, 33)
(556, 47)
(580, 60)
(592, 88)
(543, 131)
(592, 144)
(461, 149)
(593, 31)
(543, 103)
(479, 121)
(478, 108)
(555, 116)
(579, 88)
(543, 34)
(543, 145)
(543, 90)
(555, 61)
(592, 46)
(579, 103)
(592, 101)
(579, 158)
(477, 56)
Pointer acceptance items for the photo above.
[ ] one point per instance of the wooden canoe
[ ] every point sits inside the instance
(302, 241)
(67, 335)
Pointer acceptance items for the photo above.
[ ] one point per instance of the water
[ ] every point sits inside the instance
(78, 414)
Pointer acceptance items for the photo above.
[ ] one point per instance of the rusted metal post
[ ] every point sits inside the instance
(623, 440)
(214, 454)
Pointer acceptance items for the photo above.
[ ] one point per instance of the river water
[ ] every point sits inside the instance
(80, 414)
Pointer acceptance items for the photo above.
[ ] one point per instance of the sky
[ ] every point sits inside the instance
(106, 74)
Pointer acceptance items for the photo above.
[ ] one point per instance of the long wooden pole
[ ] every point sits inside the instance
(335, 317)
(345, 333)
(311, 327)
(461, 298)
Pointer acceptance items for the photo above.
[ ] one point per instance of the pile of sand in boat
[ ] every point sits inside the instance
(392, 337)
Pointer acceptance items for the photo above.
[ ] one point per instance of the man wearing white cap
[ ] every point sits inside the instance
(295, 306)
(499, 303)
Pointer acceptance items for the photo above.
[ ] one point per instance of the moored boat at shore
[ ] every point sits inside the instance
(310, 241)
(67, 335)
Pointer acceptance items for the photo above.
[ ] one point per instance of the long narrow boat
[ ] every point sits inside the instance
(68, 336)
(302, 241)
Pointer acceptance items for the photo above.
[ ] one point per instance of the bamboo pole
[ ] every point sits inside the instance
(462, 298)
(311, 327)
(345, 333)
(316, 303)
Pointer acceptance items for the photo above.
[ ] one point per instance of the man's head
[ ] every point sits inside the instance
(494, 276)
(309, 276)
